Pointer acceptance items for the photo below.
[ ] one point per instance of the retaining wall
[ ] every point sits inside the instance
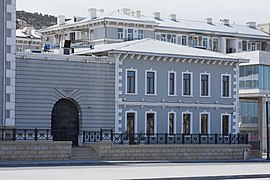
(40, 150)
(110, 151)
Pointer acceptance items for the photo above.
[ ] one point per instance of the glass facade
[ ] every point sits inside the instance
(249, 112)
(254, 77)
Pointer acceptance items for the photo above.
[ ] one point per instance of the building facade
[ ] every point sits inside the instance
(111, 27)
(174, 89)
(28, 39)
(7, 62)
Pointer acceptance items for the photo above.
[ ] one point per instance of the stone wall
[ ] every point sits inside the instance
(41, 150)
(110, 151)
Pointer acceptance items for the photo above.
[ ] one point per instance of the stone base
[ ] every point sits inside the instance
(110, 151)
(32, 150)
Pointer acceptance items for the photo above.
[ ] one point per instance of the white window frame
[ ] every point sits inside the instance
(207, 42)
(209, 84)
(136, 81)
(175, 74)
(140, 36)
(163, 38)
(191, 121)
(121, 34)
(155, 120)
(209, 119)
(191, 84)
(174, 122)
(230, 86)
(186, 39)
(155, 81)
(135, 119)
(221, 121)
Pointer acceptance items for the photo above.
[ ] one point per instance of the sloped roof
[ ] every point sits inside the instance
(158, 48)
(204, 26)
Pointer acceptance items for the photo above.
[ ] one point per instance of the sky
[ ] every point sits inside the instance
(238, 11)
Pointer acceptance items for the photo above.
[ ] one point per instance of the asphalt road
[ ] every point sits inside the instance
(241, 170)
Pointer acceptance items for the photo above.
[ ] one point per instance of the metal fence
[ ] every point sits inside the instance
(25, 134)
(163, 138)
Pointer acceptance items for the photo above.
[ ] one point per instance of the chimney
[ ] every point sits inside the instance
(209, 20)
(60, 20)
(157, 15)
(226, 22)
(172, 17)
(92, 13)
(101, 10)
(251, 24)
(138, 14)
(126, 10)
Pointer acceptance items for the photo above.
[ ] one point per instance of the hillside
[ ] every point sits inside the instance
(36, 20)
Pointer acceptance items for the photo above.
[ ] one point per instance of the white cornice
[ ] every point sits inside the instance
(166, 104)
(68, 58)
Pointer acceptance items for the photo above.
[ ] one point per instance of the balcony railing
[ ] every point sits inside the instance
(162, 138)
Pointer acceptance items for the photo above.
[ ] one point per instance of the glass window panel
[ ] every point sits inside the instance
(150, 123)
(171, 123)
(186, 123)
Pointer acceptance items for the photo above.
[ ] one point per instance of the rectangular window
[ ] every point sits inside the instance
(225, 124)
(186, 123)
(205, 42)
(140, 34)
(225, 86)
(187, 84)
(205, 85)
(244, 45)
(150, 123)
(150, 82)
(204, 123)
(120, 33)
(173, 39)
(131, 81)
(215, 44)
(130, 34)
(130, 123)
(184, 40)
(253, 46)
(171, 123)
(163, 37)
(172, 83)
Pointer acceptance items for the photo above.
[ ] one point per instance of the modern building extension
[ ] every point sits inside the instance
(254, 88)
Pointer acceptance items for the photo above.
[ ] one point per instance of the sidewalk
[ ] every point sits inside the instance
(104, 163)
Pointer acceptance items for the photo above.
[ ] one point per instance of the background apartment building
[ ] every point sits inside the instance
(110, 27)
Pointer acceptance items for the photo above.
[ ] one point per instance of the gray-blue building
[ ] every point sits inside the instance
(163, 87)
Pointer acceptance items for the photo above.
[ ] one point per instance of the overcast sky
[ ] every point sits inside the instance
(238, 11)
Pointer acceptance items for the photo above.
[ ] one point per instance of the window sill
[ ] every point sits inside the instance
(132, 94)
(189, 96)
(205, 96)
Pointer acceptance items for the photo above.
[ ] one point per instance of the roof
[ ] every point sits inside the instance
(156, 48)
(27, 33)
(204, 26)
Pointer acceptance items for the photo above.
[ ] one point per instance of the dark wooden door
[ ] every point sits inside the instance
(65, 121)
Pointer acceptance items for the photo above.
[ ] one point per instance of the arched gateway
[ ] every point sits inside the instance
(65, 121)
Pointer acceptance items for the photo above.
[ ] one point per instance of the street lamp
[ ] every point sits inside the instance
(267, 128)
